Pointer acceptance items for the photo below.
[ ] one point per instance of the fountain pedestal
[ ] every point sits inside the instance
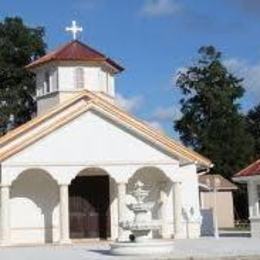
(141, 228)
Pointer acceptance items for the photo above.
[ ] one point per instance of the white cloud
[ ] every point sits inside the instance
(166, 113)
(249, 72)
(156, 125)
(160, 7)
(130, 104)
(163, 116)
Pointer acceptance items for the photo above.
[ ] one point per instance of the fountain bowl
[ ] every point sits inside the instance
(149, 247)
(141, 228)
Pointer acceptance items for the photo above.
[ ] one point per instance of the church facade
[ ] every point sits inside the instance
(68, 173)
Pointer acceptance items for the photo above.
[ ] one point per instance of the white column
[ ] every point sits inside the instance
(177, 209)
(5, 215)
(121, 188)
(64, 215)
(252, 198)
(164, 211)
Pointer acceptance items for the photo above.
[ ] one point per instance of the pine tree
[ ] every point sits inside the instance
(253, 121)
(211, 121)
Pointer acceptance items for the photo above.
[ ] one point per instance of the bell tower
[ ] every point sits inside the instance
(71, 68)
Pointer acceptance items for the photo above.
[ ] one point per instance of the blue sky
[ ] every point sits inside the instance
(152, 39)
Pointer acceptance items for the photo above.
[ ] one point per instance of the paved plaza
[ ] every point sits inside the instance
(224, 248)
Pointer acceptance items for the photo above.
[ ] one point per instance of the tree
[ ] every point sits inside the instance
(19, 45)
(253, 122)
(211, 122)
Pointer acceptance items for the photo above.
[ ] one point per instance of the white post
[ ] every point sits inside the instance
(257, 208)
(216, 233)
(177, 210)
(252, 198)
(64, 215)
(121, 188)
(164, 213)
(5, 215)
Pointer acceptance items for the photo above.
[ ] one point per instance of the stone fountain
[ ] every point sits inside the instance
(140, 241)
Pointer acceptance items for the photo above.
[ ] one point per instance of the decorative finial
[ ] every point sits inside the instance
(74, 29)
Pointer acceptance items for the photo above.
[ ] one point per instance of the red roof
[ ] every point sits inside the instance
(75, 51)
(251, 170)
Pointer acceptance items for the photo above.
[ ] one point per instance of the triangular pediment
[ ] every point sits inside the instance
(39, 128)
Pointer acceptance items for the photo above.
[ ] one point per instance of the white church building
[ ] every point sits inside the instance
(68, 173)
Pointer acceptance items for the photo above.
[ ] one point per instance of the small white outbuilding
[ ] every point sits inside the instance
(251, 176)
(221, 202)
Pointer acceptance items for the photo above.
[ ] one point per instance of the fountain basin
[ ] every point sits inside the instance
(149, 247)
(141, 228)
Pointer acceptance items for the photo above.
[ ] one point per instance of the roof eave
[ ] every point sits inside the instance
(34, 65)
(243, 179)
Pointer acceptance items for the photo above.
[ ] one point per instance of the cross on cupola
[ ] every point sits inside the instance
(74, 29)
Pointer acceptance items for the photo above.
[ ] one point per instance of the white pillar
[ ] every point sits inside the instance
(5, 215)
(164, 211)
(252, 198)
(121, 188)
(177, 209)
(64, 215)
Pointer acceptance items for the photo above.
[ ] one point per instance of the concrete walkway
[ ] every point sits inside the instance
(224, 248)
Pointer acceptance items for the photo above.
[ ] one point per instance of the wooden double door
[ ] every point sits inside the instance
(89, 207)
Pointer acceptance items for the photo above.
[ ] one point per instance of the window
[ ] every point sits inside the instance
(47, 85)
(79, 77)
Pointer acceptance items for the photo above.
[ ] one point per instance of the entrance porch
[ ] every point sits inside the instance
(56, 204)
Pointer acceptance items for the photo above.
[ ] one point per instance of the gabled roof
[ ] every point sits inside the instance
(93, 101)
(251, 170)
(75, 51)
(224, 184)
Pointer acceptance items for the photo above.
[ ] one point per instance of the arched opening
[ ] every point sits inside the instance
(160, 196)
(34, 208)
(89, 200)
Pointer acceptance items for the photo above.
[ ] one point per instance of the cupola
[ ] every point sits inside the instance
(71, 68)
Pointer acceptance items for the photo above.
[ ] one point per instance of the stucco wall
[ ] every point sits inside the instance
(47, 102)
(63, 79)
(225, 212)
(190, 197)
(89, 138)
(34, 208)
